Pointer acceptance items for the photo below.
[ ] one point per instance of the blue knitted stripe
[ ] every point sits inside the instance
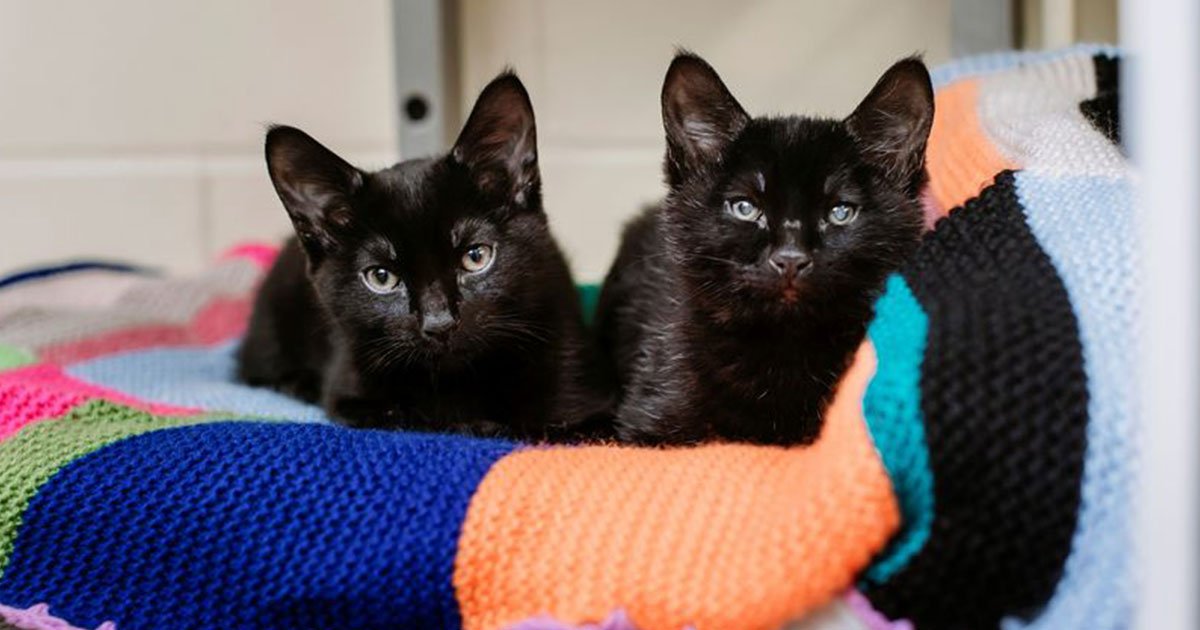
(54, 270)
(262, 525)
(1007, 60)
(200, 377)
(892, 406)
(1085, 224)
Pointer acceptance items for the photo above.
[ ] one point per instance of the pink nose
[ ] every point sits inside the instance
(789, 261)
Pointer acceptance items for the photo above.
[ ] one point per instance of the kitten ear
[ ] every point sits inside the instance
(498, 143)
(700, 116)
(315, 186)
(892, 123)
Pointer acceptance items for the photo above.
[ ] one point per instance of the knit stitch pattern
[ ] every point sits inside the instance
(253, 525)
(975, 468)
(892, 407)
(13, 357)
(1004, 398)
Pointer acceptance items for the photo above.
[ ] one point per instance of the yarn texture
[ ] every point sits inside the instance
(975, 468)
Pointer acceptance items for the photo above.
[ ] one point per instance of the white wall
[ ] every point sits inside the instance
(133, 128)
(594, 70)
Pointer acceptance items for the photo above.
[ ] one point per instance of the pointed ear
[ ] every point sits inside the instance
(700, 116)
(315, 186)
(892, 123)
(498, 143)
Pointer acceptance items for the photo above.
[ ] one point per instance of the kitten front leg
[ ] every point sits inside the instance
(363, 413)
(344, 399)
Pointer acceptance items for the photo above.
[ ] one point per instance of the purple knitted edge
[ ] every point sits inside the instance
(855, 601)
(871, 618)
(38, 617)
(616, 621)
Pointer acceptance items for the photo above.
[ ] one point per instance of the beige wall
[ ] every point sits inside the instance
(594, 70)
(132, 128)
(1088, 21)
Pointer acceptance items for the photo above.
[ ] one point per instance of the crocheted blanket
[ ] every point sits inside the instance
(974, 469)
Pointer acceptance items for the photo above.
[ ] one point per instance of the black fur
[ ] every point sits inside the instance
(497, 352)
(724, 328)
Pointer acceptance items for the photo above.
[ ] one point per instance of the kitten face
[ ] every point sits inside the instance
(784, 217)
(429, 261)
(431, 268)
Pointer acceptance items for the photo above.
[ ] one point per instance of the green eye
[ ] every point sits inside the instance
(380, 280)
(478, 257)
(843, 214)
(743, 210)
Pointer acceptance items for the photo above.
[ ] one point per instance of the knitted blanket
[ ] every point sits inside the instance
(974, 469)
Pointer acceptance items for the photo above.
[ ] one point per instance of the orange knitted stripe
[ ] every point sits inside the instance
(718, 536)
(961, 159)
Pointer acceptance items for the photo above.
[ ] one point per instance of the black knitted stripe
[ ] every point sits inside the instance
(1104, 111)
(1005, 404)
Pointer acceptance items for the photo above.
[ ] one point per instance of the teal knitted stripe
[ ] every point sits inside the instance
(589, 295)
(892, 407)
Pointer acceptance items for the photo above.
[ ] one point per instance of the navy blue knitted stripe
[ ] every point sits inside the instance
(253, 525)
(42, 272)
(1004, 397)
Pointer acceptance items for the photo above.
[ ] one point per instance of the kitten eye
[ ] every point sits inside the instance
(843, 214)
(380, 280)
(478, 257)
(743, 210)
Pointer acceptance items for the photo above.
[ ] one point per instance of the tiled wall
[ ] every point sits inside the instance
(133, 128)
(594, 70)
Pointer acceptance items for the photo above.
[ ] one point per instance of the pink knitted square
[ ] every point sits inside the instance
(42, 392)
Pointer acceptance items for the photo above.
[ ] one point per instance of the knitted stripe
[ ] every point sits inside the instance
(982, 65)
(14, 357)
(892, 407)
(1004, 398)
(221, 320)
(589, 295)
(849, 612)
(261, 254)
(1104, 110)
(250, 525)
(717, 536)
(41, 392)
(960, 158)
(152, 302)
(616, 621)
(1032, 115)
(1098, 262)
(78, 291)
(873, 620)
(38, 617)
(45, 272)
(191, 377)
(37, 453)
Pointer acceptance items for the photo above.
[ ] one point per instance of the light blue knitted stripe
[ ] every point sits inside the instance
(191, 377)
(1007, 60)
(892, 407)
(1086, 226)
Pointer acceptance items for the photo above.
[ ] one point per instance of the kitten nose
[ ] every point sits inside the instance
(437, 325)
(789, 261)
(437, 314)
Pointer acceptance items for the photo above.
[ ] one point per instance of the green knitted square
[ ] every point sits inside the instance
(11, 357)
(31, 457)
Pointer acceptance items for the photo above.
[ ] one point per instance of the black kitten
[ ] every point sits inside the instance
(732, 310)
(429, 295)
